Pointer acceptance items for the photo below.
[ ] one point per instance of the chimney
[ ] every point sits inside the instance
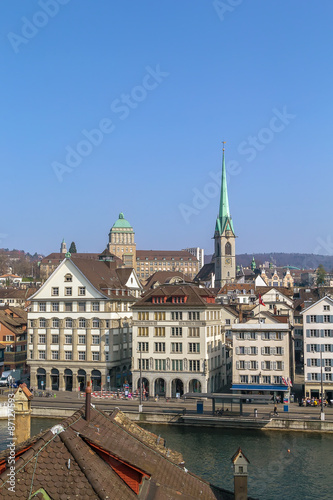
(240, 463)
(88, 402)
(22, 406)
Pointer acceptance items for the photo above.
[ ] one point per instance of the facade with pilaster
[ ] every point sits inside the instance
(79, 326)
(177, 341)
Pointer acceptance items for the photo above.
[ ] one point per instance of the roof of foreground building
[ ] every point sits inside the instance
(104, 457)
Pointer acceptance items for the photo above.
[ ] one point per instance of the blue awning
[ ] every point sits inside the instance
(258, 387)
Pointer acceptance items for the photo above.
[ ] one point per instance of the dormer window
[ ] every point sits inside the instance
(179, 300)
(158, 300)
(68, 278)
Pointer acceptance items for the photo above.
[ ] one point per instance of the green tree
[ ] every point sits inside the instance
(72, 248)
(321, 273)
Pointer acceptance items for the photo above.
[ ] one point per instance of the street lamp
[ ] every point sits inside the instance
(140, 351)
(322, 414)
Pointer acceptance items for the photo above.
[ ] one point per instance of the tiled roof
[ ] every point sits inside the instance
(162, 277)
(285, 291)
(167, 254)
(57, 257)
(105, 457)
(205, 272)
(195, 295)
(17, 293)
(103, 275)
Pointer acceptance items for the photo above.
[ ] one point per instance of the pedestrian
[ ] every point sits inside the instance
(275, 410)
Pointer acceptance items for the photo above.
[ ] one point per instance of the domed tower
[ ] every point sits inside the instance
(121, 241)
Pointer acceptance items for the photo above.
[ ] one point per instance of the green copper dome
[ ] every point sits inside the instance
(122, 223)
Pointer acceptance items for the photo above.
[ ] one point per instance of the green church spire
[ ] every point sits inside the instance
(224, 220)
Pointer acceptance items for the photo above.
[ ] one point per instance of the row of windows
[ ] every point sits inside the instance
(316, 362)
(255, 336)
(265, 365)
(176, 365)
(319, 333)
(175, 347)
(318, 318)
(69, 322)
(81, 339)
(81, 306)
(68, 355)
(68, 290)
(177, 331)
(264, 350)
(317, 377)
(265, 379)
(319, 347)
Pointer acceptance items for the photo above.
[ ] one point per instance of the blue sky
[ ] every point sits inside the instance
(122, 106)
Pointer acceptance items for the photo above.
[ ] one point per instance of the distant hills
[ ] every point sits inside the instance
(279, 259)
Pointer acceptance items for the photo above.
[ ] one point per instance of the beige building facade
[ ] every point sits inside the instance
(177, 341)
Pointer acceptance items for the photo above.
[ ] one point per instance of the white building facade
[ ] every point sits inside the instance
(318, 348)
(79, 327)
(261, 357)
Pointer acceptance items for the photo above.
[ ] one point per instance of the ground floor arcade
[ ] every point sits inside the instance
(169, 385)
(74, 377)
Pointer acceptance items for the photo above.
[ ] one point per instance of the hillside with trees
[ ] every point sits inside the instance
(300, 260)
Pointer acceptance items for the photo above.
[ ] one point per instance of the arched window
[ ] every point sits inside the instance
(228, 248)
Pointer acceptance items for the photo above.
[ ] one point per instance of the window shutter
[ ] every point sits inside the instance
(282, 350)
(257, 365)
(309, 376)
(237, 365)
(308, 333)
(309, 362)
(319, 377)
(331, 319)
(262, 336)
(256, 350)
(307, 318)
(237, 350)
(263, 365)
(262, 350)
(320, 318)
(322, 333)
(274, 365)
(282, 365)
(322, 362)
(308, 348)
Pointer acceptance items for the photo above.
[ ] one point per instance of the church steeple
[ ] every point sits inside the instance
(224, 256)
(224, 220)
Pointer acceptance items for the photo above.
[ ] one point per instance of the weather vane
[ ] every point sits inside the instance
(223, 142)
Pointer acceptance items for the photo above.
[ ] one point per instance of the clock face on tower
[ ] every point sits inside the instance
(228, 261)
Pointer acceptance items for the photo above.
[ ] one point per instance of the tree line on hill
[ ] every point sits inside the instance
(299, 260)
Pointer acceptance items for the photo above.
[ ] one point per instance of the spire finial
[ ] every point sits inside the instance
(223, 148)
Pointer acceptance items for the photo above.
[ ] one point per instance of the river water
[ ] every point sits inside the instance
(283, 465)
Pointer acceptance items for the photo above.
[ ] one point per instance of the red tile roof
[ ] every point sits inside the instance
(105, 457)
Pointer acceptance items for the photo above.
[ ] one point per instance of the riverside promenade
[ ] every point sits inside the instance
(184, 412)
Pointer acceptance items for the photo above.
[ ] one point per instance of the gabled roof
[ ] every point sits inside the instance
(318, 302)
(106, 457)
(237, 455)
